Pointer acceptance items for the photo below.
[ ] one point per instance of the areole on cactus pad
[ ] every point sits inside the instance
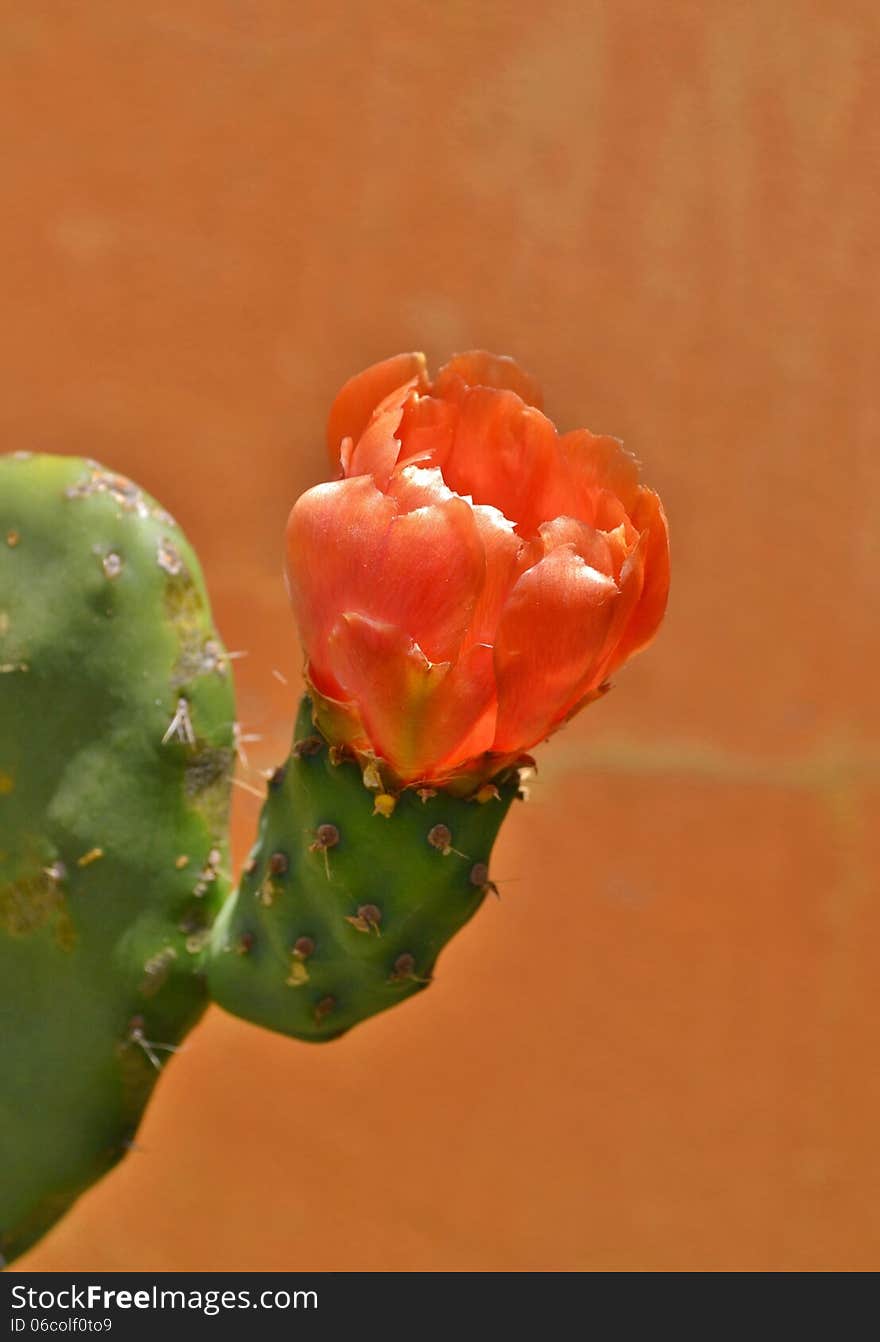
(469, 580)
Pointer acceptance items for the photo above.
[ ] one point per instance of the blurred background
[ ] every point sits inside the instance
(658, 1050)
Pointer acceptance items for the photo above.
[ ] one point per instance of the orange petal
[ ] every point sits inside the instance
(427, 430)
(415, 713)
(472, 678)
(478, 368)
(620, 541)
(592, 545)
(505, 559)
(417, 487)
(608, 552)
(502, 454)
(348, 549)
(336, 535)
(609, 512)
(346, 449)
(650, 519)
(552, 632)
(595, 462)
(350, 412)
(375, 452)
(429, 576)
(631, 582)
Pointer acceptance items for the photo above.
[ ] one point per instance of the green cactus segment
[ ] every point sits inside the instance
(116, 749)
(342, 912)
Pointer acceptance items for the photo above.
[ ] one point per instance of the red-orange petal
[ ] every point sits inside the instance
(418, 487)
(348, 549)
(427, 430)
(502, 454)
(336, 535)
(478, 368)
(552, 632)
(630, 582)
(355, 402)
(650, 519)
(429, 576)
(595, 462)
(506, 558)
(376, 451)
(593, 546)
(415, 713)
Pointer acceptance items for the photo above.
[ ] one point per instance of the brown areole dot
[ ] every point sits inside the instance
(404, 967)
(367, 918)
(479, 875)
(440, 836)
(304, 947)
(278, 864)
(323, 1008)
(326, 836)
(309, 745)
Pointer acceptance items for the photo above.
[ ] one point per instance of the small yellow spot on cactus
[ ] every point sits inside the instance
(384, 804)
(297, 974)
(7, 783)
(181, 862)
(93, 855)
(12, 539)
(488, 792)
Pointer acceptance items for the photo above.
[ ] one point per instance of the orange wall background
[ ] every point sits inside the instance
(658, 1050)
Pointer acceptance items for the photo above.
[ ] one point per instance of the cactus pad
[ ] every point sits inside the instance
(342, 909)
(116, 747)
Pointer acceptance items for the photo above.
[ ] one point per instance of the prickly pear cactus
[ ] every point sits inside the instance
(116, 735)
(347, 898)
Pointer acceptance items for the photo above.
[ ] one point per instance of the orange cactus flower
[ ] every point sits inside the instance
(473, 577)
